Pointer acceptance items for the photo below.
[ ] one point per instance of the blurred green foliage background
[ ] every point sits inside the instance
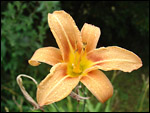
(25, 29)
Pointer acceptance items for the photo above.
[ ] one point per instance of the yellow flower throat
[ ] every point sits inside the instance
(77, 63)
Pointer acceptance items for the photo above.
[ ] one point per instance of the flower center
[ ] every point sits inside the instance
(76, 68)
(77, 63)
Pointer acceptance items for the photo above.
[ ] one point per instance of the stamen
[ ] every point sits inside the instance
(77, 58)
(83, 49)
(84, 43)
(84, 46)
(76, 49)
(78, 61)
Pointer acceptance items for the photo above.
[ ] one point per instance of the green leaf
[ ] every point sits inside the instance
(3, 49)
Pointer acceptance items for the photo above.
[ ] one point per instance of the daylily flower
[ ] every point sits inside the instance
(78, 60)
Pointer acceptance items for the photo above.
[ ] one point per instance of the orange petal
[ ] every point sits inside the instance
(90, 35)
(56, 86)
(115, 58)
(65, 31)
(99, 85)
(49, 55)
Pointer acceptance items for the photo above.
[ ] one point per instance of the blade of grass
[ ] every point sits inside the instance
(56, 107)
(69, 104)
(144, 92)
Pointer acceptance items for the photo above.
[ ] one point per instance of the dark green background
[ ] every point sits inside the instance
(25, 29)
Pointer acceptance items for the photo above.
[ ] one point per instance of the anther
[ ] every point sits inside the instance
(76, 50)
(85, 43)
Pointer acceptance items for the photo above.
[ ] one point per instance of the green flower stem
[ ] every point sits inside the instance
(84, 103)
(145, 87)
(84, 90)
(69, 104)
(56, 107)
